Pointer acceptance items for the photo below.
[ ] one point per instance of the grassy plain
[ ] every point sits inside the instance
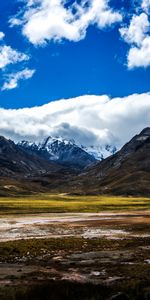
(60, 203)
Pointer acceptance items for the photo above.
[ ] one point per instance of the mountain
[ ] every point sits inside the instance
(28, 168)
(61, 151)
(21, 171)
(15, 161)
(100, 152)
(127, 172)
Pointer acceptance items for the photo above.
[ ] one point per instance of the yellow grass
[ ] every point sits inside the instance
(44, 203)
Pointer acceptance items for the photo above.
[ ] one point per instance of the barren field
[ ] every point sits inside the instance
(68, 247)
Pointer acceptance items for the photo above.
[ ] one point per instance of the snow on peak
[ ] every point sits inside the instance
(56, 139)
(100, 152)
(55, 145)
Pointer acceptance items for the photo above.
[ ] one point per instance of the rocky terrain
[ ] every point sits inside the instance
(94, 256)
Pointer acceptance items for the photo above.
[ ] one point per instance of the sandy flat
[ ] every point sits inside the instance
(87, 225)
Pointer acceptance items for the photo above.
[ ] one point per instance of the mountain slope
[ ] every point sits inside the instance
(125, 173)
(15, 161)
(22, 172)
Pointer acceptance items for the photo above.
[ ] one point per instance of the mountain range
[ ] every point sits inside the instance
(60, 150)
(64, 150)
(59, 165)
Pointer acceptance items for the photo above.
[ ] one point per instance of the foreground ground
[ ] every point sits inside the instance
(68, 247)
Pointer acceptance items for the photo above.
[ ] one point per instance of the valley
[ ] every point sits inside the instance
(72, 227)
(74, 150)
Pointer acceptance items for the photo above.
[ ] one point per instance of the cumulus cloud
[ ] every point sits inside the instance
(13, 79)
(45, 20)
(89, 120)
(10, 56)
(137, 35)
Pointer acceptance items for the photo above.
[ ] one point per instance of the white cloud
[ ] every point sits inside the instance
(137, 35)
(140, 57)
(45, 20)
(10, 56)
(1, 35)
(146, 5)
(88, 119)
(13, 79)
(137, 29)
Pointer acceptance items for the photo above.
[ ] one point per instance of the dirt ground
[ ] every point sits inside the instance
(107, 253)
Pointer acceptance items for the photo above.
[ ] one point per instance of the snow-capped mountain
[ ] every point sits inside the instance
(100, 152)
(68, 151)
(60, 150)
(58, 147)
(63, 150)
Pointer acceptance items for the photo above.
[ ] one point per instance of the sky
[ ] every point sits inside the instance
(84, 51)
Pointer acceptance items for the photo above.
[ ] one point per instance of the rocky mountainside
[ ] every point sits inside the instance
(21, 171)
(61, 151)
(125, 173)
(14, 161)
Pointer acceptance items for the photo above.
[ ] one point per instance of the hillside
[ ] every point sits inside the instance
(125, 173)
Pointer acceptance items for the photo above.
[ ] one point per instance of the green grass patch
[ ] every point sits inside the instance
(47, 203)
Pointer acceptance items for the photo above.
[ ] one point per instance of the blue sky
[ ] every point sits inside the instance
(95, 65)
